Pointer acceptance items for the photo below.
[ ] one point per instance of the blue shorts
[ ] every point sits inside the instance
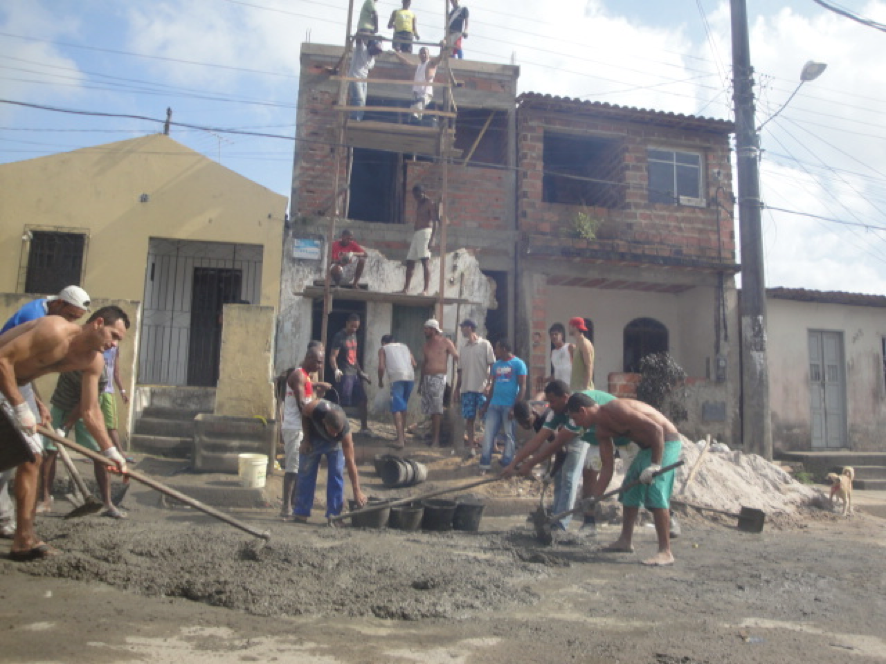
(658, 494)
(471, 402)
(351, 390)
(400, 391)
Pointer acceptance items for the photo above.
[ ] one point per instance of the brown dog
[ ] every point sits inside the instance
(841, 487)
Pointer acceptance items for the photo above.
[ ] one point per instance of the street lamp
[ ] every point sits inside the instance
(811, 71)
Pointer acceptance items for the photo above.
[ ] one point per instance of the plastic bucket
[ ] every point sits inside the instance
(397, 472)
(467, 515)
(419, 471)
(438, 515)
(379, 462)
(406, 517)
(376, 519)
(252, 469)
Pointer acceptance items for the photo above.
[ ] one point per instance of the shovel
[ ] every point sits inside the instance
(750, 519)
(157, 486)
(90, 504)
(543, 523)
(406, 501)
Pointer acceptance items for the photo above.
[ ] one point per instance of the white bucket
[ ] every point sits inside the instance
(252, 469)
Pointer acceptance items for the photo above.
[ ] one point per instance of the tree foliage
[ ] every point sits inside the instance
(660, 380)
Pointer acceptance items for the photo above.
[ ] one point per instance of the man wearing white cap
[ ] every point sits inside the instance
(71, 303)
(436, 351)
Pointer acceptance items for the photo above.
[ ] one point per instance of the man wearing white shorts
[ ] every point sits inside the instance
(426, 219)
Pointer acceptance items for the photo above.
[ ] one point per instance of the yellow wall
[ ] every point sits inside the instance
(99, 189)
(246, 380)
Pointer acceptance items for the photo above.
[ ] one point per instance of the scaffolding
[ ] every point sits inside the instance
(436, 142)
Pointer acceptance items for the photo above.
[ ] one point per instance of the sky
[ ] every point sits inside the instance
(225, 65)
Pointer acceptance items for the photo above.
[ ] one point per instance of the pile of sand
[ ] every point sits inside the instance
(728, 480)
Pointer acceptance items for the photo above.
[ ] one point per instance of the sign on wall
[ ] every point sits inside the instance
(307, 248)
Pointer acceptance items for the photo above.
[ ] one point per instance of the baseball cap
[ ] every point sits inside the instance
(578, 323)
(73, 295)
(467, 322)
(433, 324)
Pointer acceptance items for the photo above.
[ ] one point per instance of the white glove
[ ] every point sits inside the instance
(62, 432)
(24, 418)
(646, 476)
(115, 456)
(338, 375)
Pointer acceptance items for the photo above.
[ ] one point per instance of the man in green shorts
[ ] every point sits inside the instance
(659, 443)
(67, 414)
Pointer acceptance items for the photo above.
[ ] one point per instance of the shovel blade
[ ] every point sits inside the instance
(542, 523)
(91, 506)
(751, 520)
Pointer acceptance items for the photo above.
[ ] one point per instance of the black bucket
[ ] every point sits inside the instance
(375, 519)
(379, 461)
(406, 517)
(438, 515)
(396, 471)
(467, 515)
(14, 451)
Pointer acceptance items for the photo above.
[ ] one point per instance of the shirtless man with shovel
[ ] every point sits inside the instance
(37, 348)
(660, 445)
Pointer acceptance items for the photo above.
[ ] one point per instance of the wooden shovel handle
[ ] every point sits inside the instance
(157, 486)
(406, 501)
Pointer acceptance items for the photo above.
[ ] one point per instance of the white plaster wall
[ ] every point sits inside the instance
(689, 318)
(863, 329)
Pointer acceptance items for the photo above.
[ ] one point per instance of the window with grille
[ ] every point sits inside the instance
(55, 260)
(675, 177)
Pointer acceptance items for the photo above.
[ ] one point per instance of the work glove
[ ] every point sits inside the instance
(24, 419)
(646, 476)
(365, 377)
(62, 432)
(338, 374)
(115, 456)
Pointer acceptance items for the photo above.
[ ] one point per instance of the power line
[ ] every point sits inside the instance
(851, 15)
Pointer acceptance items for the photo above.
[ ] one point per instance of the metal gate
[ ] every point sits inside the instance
(186, 284)
(827, 389)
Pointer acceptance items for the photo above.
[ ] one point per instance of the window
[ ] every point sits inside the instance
(582, 170)
(642, 337)
(675, 177)
(55, 260)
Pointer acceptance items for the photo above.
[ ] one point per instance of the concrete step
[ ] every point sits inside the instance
(167, 446)
(820, 463)
(170, 413)
(153, 426)
(870, 473)
(870, 485)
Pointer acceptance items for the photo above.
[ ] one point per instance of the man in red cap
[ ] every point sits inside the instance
(582, 357)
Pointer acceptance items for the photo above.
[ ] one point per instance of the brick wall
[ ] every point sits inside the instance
(477, 196)
(539, 367)
(623, 385)
(637, 227)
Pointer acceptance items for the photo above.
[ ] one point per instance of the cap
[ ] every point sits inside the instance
(578, 323)
(433, 324)
(73, 295)
(467, 322)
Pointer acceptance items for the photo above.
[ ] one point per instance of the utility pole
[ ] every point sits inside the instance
(756, 423)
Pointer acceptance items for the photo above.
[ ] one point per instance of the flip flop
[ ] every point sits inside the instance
(35, 553)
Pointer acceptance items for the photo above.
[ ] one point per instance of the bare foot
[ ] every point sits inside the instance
(618, 547)
(660, 559)
(401, 292)
(424, 292)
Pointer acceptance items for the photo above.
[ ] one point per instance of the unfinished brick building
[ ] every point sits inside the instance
(567, 207)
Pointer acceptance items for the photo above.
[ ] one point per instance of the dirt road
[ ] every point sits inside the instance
(175, 586)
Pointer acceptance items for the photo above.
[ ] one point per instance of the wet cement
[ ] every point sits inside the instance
(313, 570)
